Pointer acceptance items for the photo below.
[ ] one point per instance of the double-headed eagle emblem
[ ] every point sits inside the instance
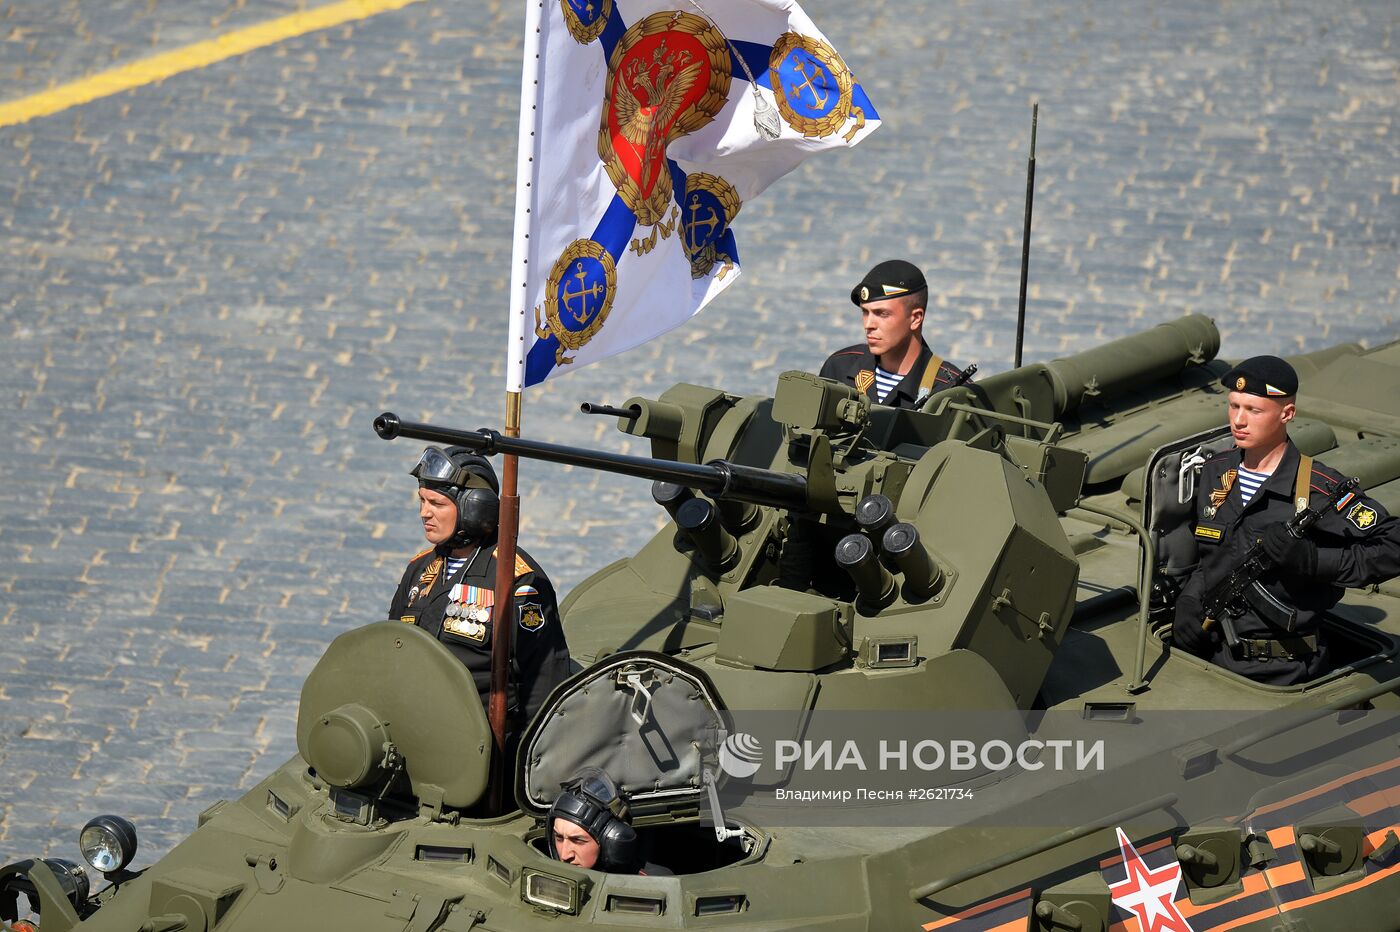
(643, 119)
(668, 76)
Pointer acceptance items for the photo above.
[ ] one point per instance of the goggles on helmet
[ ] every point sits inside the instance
(597, 785)
(591, 800)
(434, 466)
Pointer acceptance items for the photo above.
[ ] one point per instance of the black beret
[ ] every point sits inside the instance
(889, 279)
(1265, 376)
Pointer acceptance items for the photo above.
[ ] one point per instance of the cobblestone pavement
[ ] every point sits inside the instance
(210, 285)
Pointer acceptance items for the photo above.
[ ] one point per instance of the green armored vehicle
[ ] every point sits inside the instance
(1010, 551)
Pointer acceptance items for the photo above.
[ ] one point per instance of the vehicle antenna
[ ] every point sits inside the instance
(1026, 238)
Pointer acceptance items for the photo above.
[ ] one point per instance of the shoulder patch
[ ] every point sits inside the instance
(1362, 516)
(531, 616)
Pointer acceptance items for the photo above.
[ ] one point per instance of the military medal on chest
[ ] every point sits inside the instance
(468, 611)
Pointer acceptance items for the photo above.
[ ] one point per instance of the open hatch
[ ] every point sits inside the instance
(652, 723)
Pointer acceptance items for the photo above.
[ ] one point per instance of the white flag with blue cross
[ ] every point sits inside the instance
(657, 122)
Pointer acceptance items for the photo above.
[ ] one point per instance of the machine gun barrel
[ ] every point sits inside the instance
(631, 413)
(720, 479)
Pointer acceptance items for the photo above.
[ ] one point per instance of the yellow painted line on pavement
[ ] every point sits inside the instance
(198, 55)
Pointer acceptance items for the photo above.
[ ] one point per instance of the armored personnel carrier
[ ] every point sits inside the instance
(996, 552)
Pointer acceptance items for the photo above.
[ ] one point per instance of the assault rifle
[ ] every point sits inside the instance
(1227, 600)
(965, 377)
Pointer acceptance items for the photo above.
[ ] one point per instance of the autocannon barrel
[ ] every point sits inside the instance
(720, 479)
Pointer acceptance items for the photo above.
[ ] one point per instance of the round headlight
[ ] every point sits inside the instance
(108, 843)
(71, 878)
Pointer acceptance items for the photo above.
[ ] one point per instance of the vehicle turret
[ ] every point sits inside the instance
(819, 533)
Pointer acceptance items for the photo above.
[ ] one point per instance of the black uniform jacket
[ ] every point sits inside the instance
(1358, 544)
(540, 657)
(847, 365)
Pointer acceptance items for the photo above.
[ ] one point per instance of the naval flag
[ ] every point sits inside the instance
(646, 127)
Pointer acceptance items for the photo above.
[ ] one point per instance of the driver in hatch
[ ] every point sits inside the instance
(588, 827)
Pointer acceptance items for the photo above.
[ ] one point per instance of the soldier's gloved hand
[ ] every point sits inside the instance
(1291, 554)
(1187, 632)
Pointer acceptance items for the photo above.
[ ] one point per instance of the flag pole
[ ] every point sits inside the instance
(509, 525)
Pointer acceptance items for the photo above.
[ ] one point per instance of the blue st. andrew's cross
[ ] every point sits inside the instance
(811, 91)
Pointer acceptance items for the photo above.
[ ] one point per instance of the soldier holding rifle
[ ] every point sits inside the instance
(1265, 505)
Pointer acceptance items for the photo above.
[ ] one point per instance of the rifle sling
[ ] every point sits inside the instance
(930, 376)
(1301, 483)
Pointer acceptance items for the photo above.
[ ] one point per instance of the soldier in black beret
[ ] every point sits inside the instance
(894, 366)
(1248, 494)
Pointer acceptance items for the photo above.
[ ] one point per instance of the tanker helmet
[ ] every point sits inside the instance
(470, 481)
(592, 802)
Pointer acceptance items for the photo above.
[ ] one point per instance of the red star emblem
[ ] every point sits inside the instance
(1150, 895)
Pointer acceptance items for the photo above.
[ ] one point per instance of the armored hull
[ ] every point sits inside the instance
(1036, 510)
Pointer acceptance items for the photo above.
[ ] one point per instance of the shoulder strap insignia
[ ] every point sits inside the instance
(521, 567)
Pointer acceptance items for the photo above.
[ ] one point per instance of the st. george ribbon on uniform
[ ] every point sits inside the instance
(646, 127)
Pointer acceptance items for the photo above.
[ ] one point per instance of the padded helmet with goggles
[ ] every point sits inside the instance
(470, 481)
(592, 802)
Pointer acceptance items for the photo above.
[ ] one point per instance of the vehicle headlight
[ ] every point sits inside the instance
(108, 843)
(550, 892)
(71, 878)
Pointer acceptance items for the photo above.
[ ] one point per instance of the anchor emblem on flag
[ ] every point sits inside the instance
(581, 284)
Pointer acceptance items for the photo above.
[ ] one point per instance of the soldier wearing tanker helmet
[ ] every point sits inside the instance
(894, 366)
(588, 827)
(448, 589)
(1248, 494)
